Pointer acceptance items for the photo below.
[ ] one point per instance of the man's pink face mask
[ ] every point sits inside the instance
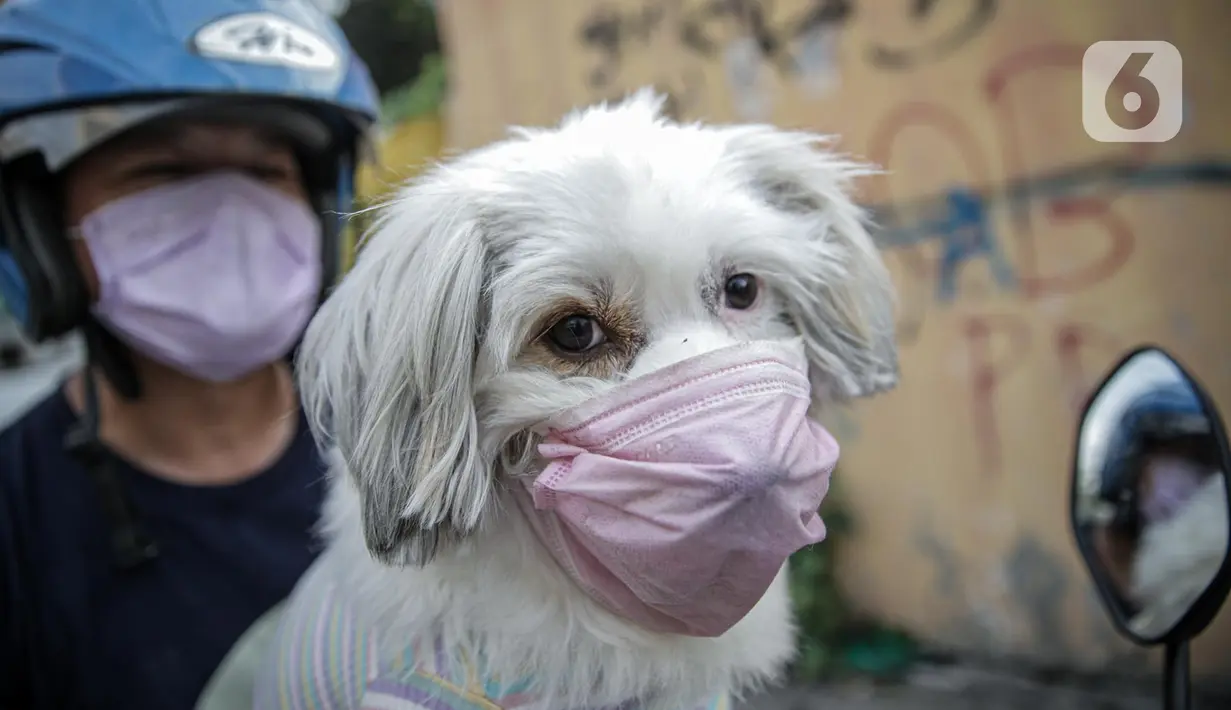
(675, 499)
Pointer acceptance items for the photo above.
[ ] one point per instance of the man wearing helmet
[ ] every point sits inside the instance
(171, 178)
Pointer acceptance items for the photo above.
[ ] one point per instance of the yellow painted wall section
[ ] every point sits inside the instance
(1028, 255)
(403, 150)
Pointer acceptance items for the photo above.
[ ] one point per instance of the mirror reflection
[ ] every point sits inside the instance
(1151, 498)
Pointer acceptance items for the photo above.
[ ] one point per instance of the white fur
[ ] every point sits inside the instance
(410, 371)
(1178, 558)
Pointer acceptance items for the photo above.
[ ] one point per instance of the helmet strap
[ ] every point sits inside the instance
(131, 545)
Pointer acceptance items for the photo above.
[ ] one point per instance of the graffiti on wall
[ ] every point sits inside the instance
(701, 28)
(959, 219)
(698, 26)
(959, 222)
(747, 35)
(974, 16)
(963, 228)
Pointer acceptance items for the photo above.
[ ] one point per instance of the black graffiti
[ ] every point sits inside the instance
(750, 16)
(695, 26)
(981, 14)
(609, 31)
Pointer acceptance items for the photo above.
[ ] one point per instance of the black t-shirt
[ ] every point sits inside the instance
(75, 632)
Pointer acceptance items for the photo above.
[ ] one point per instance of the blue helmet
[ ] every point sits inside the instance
(1160, 414)
(75, 73)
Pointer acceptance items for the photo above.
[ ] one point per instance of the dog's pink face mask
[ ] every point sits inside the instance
(675, 499)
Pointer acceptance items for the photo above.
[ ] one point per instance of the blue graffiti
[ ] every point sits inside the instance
(959, 219)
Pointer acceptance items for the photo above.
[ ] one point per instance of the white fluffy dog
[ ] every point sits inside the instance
(504, 286)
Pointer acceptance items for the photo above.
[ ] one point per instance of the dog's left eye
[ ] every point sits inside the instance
(740, 291)
(576, 334)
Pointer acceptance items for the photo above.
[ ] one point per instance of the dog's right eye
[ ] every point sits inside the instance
(576, 334)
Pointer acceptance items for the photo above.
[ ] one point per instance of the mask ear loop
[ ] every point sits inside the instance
(131, 546)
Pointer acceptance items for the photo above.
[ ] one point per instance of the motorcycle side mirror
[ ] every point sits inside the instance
(1150, 508)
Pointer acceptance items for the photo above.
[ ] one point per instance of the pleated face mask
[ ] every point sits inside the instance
(674, 499)
(215, 275)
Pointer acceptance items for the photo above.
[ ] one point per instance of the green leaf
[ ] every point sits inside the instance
(421, 97)
(880, 652)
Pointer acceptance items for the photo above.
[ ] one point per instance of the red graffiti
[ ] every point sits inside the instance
(997, 346)
(1118, 251)
(922, 272)
(927, 114)
(1076, 344)
(987, 371)
(1060, 211)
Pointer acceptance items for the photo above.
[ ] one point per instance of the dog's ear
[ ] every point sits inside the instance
(840, 295)
(386, 372)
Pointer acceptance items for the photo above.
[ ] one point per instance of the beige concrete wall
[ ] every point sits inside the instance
(959, 478)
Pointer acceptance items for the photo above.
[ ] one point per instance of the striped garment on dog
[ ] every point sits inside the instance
(326, 661)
